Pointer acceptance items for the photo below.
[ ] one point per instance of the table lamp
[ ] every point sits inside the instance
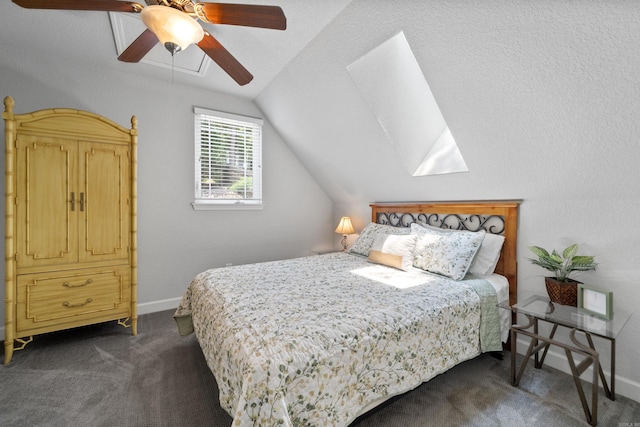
(345, 228)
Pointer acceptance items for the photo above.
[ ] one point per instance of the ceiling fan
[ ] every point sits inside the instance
(173, 23)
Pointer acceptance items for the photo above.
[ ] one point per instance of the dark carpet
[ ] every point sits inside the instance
(102, 376)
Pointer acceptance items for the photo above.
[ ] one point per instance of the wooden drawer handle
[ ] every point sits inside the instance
(69, 285)
(69, 305)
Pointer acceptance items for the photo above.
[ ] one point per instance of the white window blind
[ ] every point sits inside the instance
(228, 159)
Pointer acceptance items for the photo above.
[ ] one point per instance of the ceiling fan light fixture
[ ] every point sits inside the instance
(175, 29)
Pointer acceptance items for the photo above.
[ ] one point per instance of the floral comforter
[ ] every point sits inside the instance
(315, 340)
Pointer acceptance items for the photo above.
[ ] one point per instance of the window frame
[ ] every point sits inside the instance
(204, 203)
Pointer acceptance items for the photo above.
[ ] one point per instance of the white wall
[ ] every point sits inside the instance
(175, 242)
(543, 99)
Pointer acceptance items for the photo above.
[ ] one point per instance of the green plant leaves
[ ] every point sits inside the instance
(571, 251)
(538, 251)
(562, 265)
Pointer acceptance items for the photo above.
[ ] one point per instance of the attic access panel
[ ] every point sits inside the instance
(391, 81)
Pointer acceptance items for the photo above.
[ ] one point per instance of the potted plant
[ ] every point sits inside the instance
(561, 288)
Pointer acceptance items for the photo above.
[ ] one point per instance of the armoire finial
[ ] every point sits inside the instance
(8, 105)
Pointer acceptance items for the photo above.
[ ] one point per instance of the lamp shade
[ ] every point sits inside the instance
(175, 29)
(345, 226)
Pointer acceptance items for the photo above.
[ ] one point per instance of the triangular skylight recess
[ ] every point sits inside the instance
(391, 81)
(127, 27)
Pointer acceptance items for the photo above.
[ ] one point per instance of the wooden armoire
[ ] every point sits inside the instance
(70, 222)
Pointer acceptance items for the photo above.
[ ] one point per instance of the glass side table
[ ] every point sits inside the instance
(536, 308)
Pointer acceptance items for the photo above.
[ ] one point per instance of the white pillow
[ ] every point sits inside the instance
(393, 250)
(486, 259)
(446, 253)
(363, 243)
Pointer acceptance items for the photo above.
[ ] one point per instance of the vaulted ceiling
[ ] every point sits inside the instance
(511, 79)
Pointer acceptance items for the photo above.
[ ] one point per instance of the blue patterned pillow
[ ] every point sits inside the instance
(445, 253)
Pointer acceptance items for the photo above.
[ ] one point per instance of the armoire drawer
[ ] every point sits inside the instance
(72, 298)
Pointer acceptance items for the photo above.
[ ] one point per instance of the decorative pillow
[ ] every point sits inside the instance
(446, 253)
(363, 243)
(419, 229)
(486, 259)
(393, 250)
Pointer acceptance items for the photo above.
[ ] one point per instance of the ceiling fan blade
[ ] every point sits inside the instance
(242, 14)
(102, 5)
(224, 59)
(139, 48)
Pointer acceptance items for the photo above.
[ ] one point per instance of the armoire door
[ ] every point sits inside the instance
(104, 198)
(46, 202)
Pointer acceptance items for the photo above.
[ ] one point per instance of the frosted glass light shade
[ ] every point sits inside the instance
(176, 30)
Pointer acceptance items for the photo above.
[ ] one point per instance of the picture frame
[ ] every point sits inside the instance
(595, 301)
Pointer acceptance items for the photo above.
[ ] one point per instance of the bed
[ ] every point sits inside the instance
(322, 339)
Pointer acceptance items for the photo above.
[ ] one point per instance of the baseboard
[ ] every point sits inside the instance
(624, 386)
(144, 308)
(155, 306)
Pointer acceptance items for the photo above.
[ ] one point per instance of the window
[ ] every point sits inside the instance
(228, 161)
